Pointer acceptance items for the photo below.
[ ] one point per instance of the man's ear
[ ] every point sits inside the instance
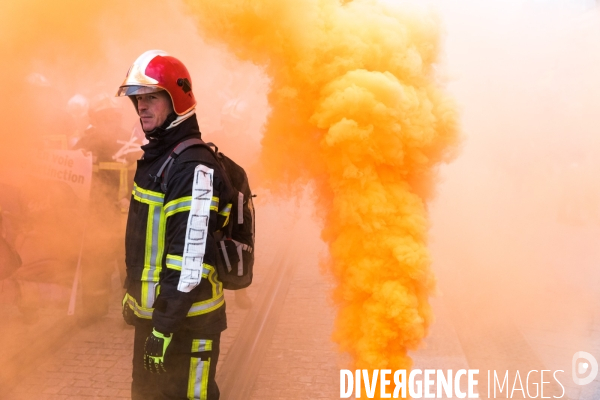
(172, 110)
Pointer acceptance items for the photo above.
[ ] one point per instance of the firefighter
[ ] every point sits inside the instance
(174, 297)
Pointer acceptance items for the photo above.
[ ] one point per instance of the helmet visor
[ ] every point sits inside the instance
(133, 90)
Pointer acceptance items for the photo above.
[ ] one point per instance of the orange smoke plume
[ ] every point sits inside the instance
(356, 109)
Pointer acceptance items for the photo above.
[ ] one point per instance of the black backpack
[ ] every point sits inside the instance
(236, 245)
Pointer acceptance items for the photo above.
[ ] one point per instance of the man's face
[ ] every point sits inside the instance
(153, 108)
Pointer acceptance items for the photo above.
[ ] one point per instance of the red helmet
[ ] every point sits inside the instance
(154, 71)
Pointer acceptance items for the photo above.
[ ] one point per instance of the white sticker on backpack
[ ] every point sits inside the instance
(240, 208)
(196, 232)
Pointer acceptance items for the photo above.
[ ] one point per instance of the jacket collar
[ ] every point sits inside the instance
(175, 130)
(181, 118)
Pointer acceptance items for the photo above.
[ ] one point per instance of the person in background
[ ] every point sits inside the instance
(9, 258)
(104, 238)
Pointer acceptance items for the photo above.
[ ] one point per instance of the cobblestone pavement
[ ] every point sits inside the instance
(24, 336)
(300, 362)
(95, 362)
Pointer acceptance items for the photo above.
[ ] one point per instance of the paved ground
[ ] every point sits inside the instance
(95, 362)
(300, 362)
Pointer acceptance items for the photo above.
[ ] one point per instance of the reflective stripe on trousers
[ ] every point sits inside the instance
(198, 379)
(191, 367)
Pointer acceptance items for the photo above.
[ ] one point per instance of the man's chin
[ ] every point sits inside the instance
(148, 127)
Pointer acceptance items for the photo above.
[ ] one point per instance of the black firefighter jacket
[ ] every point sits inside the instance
(170, 246)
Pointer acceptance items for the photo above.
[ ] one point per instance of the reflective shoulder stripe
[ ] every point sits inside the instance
(178, 205)
(196, 232)
(147, 196)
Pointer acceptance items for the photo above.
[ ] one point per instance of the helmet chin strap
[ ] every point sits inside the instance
(181, 118)
(172, 121)
(157, 132)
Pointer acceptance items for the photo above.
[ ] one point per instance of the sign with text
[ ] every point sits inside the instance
(69, 166)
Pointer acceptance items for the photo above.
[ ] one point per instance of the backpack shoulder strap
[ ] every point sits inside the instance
(163, 172)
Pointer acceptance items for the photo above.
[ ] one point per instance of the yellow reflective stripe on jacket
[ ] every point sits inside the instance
(203, 307)
(155, 240)
(148, 294)
(155, 243)
(176, 263)
(185, 204)
(225, 212)
(141, 312)
(214, 204)
(217, 286)
(198, 308)
(217, 300)
(147, 196)
(154, 251)
(178, 205)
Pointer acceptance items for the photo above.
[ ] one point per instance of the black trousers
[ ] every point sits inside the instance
(190, 361)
